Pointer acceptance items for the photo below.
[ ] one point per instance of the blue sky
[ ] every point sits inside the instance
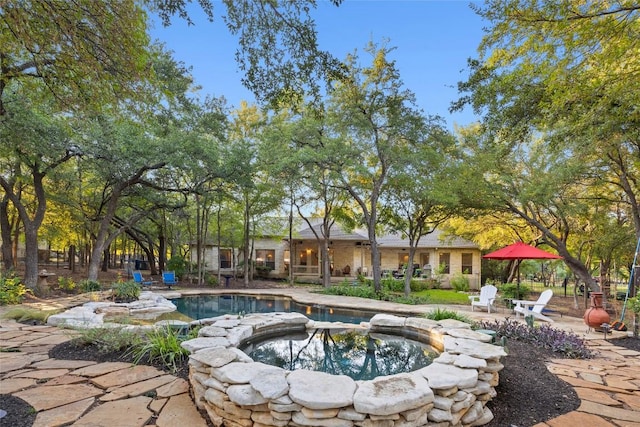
(432, 41)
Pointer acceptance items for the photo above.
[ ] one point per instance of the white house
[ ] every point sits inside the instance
(350, 255)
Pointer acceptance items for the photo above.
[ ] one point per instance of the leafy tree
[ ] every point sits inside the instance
(85, 56)
(257, 191)
(421, 194)
(559, 77)
(308, 169)
(34, 143)
(373, 116)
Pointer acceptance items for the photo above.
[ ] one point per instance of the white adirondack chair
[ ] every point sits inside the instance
(485, 299)
(534, 308)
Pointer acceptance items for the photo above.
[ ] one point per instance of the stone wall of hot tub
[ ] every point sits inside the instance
(237, 391)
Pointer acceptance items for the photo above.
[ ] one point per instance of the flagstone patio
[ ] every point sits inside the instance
(86, 393)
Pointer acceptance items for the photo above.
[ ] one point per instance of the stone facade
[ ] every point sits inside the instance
(237, 391)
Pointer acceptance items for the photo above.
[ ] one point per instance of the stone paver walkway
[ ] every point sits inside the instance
(86, 393)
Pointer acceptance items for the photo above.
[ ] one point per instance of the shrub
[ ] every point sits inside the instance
(178, 264)
(345, 288)
(107, 340)
(443, 313)
(510, 291)
(126, 291)
(161, 345)
(391, 284)
(460, 283)
(558, 341)
(211, 280)
(12, 291)
(66, 284)
(90, 286)
(410, 300)
(262, 271)
(25, 315)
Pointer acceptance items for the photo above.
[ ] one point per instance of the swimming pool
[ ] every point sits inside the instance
(205, 306)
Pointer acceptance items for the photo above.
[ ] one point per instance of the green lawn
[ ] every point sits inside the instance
(443, 296)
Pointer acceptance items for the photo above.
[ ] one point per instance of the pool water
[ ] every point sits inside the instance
(357, 354)
(204, 306)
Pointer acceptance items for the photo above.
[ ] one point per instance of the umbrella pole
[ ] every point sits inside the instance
(518, 280)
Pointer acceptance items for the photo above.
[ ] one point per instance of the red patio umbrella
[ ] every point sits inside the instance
(519, 251)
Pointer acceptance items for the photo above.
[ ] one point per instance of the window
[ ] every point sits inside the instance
(225, 258)
(403, 259)
(308, 257)
(266, 258)
(445, 262)
(424, 260)
(467, 263)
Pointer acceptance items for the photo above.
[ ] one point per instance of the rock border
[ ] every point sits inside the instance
(237, 391)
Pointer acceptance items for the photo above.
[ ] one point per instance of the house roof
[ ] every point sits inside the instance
(433, 240)
(437, 239)
(277, 229)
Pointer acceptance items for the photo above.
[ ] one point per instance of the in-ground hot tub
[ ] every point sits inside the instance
(354, 352)
(235, 390)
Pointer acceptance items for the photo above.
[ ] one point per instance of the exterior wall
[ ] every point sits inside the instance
(211, 258)
(358, 258)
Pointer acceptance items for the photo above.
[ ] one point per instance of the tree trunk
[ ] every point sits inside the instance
(408, 275)
(247, 260)
(375, 262)
(162, 249)
(5, 235)
(31, 257)
(106, 256)
(326, 264)
(72, 258)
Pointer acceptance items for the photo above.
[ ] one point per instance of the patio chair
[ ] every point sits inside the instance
(534, 308)
(137, 277)
(169, 278)
(485, 299)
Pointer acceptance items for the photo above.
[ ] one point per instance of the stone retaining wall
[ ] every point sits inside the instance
(238, 392)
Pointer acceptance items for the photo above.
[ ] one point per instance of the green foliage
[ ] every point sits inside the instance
(510, 290)
(178, 264)
(211, 280)
(634, 305)
(397, 285)
(12, 291)
(410, 300)
(432, 283)
(262, 271)
(126, 291)
(566, 343)
(443, 313)
(89, 286)
(347, 289)
(23, 314)
(161, 345)
(106, 339)
(66, 284)
(460, 282)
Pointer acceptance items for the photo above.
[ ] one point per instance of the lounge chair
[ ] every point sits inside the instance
(169, 278)
(137, 277)
(485, 299)
(534, 308)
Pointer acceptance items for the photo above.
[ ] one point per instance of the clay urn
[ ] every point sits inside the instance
(596, 315)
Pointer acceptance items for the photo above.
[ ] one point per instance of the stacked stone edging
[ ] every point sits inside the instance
(238, 392)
